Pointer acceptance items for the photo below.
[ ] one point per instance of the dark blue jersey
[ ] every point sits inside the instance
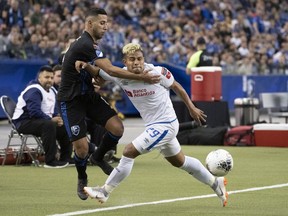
(74, 83)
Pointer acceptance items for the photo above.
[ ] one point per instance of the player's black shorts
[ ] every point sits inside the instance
(75, 112)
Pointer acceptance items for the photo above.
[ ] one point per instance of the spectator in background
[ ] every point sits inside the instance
(4, 41)
(280, 59)
(228, 63)
(241, 23)
(36, 14)
(15, 46)
(201, 57)
(113, 39)
(243, 49)
(245, 66)
(37, 114)
(32, 48)
(183, 21)
(45, 50)
(263, 67)
(12, 15)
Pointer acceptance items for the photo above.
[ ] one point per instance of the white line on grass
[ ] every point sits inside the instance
(166, 201)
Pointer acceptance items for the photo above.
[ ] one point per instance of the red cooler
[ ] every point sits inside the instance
(206, 84)
(272, 135)
(218, 84)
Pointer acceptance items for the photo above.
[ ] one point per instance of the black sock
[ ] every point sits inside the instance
(81, 165)
(92, 147)
(109, 142)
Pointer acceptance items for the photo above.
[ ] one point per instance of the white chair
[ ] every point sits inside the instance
(276, 104)
(33, 148)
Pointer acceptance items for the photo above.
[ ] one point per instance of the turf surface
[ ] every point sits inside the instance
(27, 190)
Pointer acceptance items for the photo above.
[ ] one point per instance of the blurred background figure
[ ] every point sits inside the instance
(112, 93)
(201, 57)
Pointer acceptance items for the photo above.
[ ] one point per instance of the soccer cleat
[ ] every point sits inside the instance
(107, 168)
(98, 193)
(109, 154)
(56, 164)
(114, 160)
(82, 183)
(220, 189)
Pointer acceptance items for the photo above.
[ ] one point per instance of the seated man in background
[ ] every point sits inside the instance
(36, 114)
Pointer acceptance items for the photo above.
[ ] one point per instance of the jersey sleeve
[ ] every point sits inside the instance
(98, 53)
(167, 78)
(106, 76)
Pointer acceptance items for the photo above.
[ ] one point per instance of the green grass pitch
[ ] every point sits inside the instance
(153, 188)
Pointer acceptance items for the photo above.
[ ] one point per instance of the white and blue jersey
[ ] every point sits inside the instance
(151, 100)
(156, 109)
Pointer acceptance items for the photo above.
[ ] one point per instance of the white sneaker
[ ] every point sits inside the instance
(220, 189)
(98, 193)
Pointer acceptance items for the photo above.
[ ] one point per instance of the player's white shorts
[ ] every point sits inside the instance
(161, 136)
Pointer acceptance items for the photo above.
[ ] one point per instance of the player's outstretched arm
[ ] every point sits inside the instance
(114, 71)
(197, 114)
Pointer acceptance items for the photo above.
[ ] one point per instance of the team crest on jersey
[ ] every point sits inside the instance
(75, 129)
(165, 72)
(99, 53)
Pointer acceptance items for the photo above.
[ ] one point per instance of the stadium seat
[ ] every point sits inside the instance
(276, 104)
(33, 148)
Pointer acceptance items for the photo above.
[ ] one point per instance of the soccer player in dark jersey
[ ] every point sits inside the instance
(78, 100)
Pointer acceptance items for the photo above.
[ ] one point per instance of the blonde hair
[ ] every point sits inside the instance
(131, 48)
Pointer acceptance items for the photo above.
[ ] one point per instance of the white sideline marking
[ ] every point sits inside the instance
(167, 201)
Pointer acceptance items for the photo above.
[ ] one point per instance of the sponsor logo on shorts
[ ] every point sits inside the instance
(75, 130)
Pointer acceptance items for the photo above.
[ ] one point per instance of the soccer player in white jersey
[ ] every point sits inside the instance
(161, 125)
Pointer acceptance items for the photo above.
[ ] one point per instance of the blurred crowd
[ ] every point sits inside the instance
(244, 36)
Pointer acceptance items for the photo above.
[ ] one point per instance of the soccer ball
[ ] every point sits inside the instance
(219, 162)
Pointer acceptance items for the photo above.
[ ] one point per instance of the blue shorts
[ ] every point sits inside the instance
(75, 112)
